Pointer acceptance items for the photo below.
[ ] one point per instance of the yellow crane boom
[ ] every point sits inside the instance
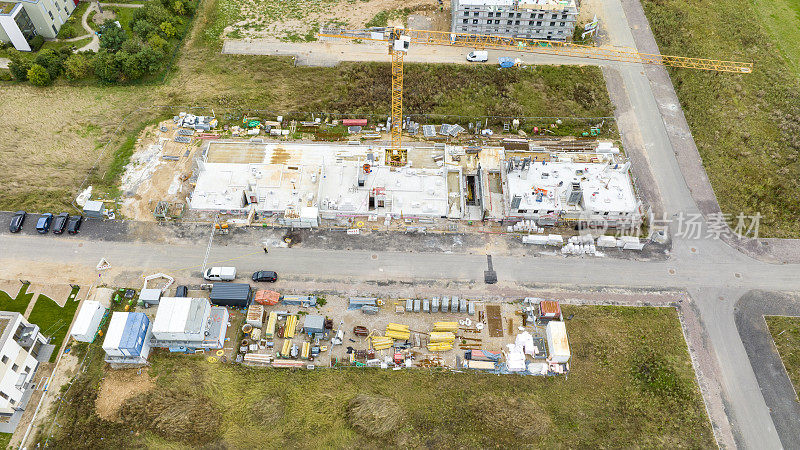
(399, 40)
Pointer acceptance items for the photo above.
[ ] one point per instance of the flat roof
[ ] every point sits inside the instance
(605, 186)
(7, 7)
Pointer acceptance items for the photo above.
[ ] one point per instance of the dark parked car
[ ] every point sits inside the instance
(43, 224)
(74, 224)
(17, 221)
(265, 275)
(60, 223)
(182, 291)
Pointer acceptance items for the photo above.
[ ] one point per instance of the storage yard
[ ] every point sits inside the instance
(192, 399)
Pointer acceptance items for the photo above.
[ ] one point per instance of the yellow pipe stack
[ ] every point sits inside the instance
(440, 346)
(445, 326)
(306, 349)
(397, 331)
(287, 345)
(381, 342)
(291, 327)
(442, 336)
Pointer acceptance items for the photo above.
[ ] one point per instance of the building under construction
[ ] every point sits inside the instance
(305, 182)
(532, 19)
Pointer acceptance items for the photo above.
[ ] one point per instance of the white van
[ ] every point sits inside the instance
(478, 56)
(220, 274)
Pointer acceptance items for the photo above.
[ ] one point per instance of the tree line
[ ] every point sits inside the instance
(123, 56)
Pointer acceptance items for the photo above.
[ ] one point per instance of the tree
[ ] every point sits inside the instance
(168, 29)
(132, 46)
(78, 66)
(178, 7)
(19, 65)
(143, 28)
(38, 75)
(51, 61)
(106, 66)
(150, 59)
(130, 64)
(158, 43)
(112, 36)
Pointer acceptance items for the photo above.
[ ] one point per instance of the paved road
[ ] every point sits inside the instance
(773, 380)
(95, 44)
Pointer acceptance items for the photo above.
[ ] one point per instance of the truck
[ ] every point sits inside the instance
(220, 274)
(478, 56)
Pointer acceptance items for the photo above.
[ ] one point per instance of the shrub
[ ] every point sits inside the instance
(36, 43)
(50, 60)
(78, 66)
(5, 75)
(168, 29)
(19, 65)
(38, 75)
(67, 31)
(132, 46)
(158, 43)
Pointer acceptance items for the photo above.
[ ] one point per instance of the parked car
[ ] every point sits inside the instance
(16, 221)
(478, 56)
(220, 274)
(60, 223)
(182, 291)
(43, 224)
(265, 275)
(74, 224)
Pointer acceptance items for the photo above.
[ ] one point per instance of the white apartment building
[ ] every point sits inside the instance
(532, 19)
(22, 348)
(21, 20)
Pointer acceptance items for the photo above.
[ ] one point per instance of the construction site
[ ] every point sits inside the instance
(250, 180)
(269, 329)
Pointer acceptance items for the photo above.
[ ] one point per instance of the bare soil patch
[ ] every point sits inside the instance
(117, 387)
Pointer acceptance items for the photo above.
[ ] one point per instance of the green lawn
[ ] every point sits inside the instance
(786, 334)
(5, 438)
(18, 303)
(631, 385)
(54, 320)
(747, 127)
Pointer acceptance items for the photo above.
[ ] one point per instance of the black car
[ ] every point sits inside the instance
(60, 223)
(182, 291)
(74, 224)
(43, 224)
(265, 275)
(17, 221)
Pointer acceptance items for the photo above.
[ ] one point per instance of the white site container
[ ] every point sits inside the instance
(88, 321)
(557, 343)
(606, 241)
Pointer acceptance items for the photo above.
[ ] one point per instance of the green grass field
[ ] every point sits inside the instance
(631, 385)
(18, 303)
(54, 320)
(747, 127)
(786, 334)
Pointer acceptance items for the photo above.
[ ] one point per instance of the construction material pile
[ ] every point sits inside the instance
(442, 341)
(397, 331)
(381, 342)
(445, 326)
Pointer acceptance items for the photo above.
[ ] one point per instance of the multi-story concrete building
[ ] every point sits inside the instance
(21, 20)
(533, 19)
(22, 348)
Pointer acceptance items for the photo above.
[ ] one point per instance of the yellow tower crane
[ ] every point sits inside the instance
(400, 39)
